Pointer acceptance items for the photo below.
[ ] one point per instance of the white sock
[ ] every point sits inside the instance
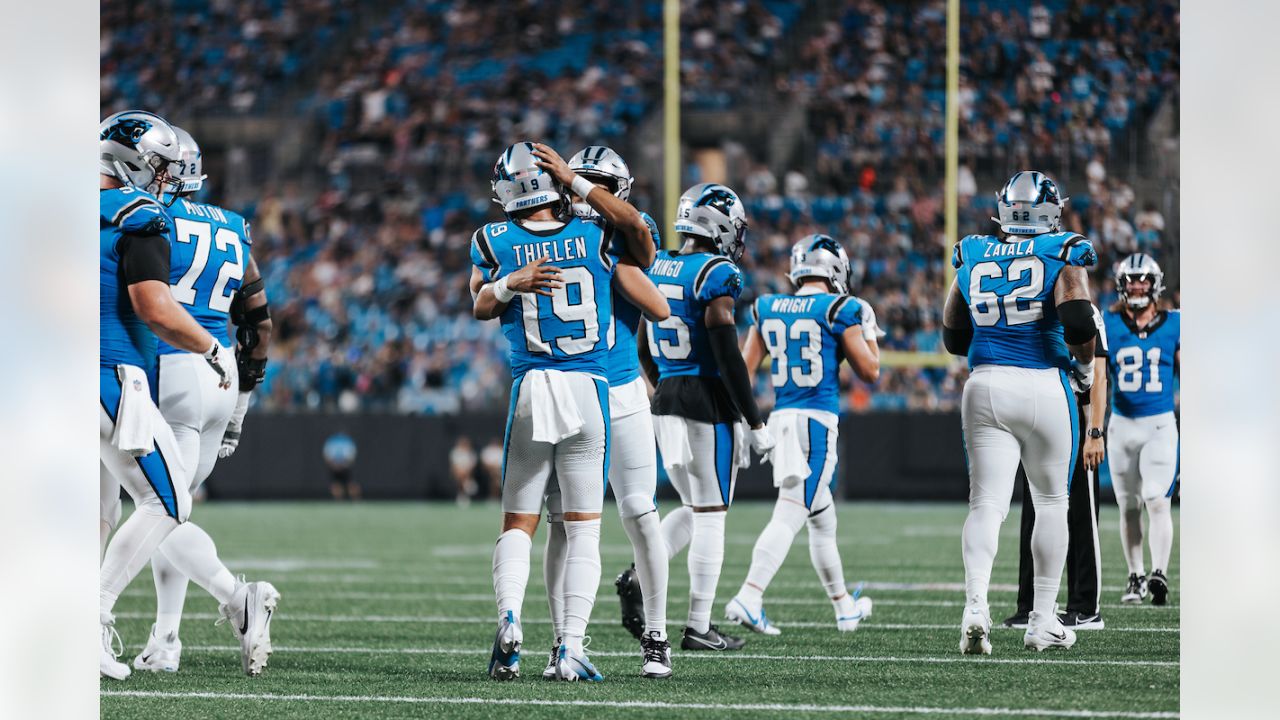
(824, 553)
(1131, 538)
(193, 554)
(677, 529)
(130, 549)
(553, 574)
(104, 533)
(979, 540)
(645, 533)
(1160, 532)
(511, 570)
(1048, 551)
(581, 578)
(770, 551)
(171, 594)
(706, 555)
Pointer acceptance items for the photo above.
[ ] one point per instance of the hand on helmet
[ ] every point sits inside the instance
(551, 161)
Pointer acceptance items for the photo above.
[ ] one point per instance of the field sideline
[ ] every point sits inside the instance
(387, 612)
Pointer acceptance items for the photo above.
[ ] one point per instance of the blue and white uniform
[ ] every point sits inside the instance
(126, 367)
(695, 420)
(559, 413)
(1142, 434)
(1018, 405)
(802, 333)
(210, 248)
(633, 457)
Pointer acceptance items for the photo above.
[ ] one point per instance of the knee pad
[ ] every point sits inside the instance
(790, 514)
(633, 506)
(1127, 501)
(823, 521)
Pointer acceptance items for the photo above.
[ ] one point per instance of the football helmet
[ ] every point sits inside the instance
(598, 163)
(1139, 266)
(1029, 204)
(519, 184)
(713, 211)
(820, 256)
(136, 147)
(188, 176)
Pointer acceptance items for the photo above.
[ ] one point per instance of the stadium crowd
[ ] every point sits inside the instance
(366, 252)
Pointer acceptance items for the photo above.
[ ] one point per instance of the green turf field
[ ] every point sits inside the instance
(387, 612)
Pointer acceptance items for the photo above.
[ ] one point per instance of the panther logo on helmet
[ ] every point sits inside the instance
(127, 131)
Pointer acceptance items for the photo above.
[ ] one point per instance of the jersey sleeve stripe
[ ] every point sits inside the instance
(129, 209)
(705, 272)
(834, 310)
(481, 239)
(606, 241)
(1066, 246)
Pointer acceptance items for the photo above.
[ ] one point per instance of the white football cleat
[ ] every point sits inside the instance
(975, 631)
(1047, 632)
(160, 654)
(112, 648)
(504, 662)
(576, 666)
(249, 614)
(737, 611)
(657, 655)
(862, 611)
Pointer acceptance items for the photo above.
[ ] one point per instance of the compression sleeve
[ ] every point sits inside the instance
(1077, 321)
(957, 340)
(144, 257)
(733, 371)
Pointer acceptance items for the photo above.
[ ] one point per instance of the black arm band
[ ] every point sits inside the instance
(1077, 322)
(957, 340)
(733, 371)
(252, 370)
(252, 288)
(144, 257)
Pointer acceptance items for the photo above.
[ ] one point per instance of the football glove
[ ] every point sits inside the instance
(231, 438)
(870, 329)
(214, 357)
(1081, 375)
(762, 442)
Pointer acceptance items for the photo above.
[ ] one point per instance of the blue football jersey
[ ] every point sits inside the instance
(123, 339)
(679, 344)
(802, 333)
(210, 247)
(1008, 286)
(569, 331)
(1141, 364)
(624, 363)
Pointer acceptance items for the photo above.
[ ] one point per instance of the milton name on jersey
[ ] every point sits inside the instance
(1008, 286)
(568, 331)
(802, 333)
(679, 344)
(1142, 362)
(209, 250)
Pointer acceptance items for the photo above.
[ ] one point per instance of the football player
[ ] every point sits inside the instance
(633, 471)
(547, 275)
(1019, 308)
(1142, 436)
(807, 335)
(703, 391)
(209, 260)
(138, 450)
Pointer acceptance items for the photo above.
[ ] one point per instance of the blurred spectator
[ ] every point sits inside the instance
(462, 466)
(491, 461)
(340, 457)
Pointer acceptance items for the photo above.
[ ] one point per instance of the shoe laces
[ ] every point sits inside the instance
(111, 641)
(655, 650)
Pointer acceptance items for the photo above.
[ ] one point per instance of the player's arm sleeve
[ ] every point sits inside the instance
(482, 255)
(1077, 250)
(144, 257)
(733, 371)
(718, 278)
(957, 325)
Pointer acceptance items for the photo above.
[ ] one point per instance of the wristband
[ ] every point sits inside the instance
(582, 187)
(502, 292)
(212, 352)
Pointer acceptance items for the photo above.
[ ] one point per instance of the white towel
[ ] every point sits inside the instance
(790, 457)
(673, 440)
(553, 406)
(133, 433)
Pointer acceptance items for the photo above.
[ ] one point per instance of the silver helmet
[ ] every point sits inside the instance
(1029, 204)
(135, 146)
(822, 257)
(598, 163)
(519, 184)
(1137, 267)
(188, 172)
(715, 212)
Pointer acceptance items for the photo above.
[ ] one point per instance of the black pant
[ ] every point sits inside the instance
(1083, 553)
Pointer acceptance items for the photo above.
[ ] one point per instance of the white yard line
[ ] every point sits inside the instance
(648, 705)
(285, 616)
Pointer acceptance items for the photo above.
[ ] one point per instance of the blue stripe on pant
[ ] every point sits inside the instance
(154, 467)
(602, 395)
(818, 443)
(1074, 419)
(511, 414)
(724, 459)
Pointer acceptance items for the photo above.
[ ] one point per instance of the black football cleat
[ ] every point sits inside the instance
(1018, 620)
(1077, 620)
(628, 585)
(1158, 584)
(712, 639)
